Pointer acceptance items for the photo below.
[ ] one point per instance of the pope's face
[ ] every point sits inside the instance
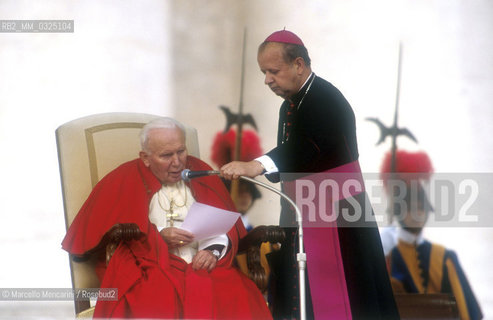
(167, 154)
(284, 79)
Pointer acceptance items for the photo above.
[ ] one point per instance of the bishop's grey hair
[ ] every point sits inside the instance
(159, 123)
(290, 52)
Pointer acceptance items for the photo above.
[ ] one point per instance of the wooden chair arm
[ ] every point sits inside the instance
(118, 233)
(251, 244)
(260, 234)
(108, 244)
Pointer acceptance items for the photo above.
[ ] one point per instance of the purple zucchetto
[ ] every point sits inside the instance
(284, 36)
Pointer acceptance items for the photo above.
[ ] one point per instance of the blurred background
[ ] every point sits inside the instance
(182, 58)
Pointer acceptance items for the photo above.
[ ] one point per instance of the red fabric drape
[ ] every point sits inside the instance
(151, 282)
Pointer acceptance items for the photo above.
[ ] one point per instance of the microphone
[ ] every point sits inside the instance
(186, 174)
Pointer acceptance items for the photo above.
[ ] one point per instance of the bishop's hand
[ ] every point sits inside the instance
(235, 169)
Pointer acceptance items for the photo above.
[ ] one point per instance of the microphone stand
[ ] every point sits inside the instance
(301, 255)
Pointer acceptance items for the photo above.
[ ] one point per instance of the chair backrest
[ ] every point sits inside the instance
(89, 148)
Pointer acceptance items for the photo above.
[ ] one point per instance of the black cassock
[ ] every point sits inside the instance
(317, 133)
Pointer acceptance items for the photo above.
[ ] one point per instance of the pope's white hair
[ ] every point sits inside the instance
(159, 123)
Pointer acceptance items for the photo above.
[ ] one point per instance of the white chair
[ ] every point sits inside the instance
(89, 148)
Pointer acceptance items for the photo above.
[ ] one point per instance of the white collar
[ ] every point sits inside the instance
(409, 237)
(306, 81)
(245, 221)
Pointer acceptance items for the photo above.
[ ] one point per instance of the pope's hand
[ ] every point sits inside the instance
(204, 259)
(235, 169)
(176, 237)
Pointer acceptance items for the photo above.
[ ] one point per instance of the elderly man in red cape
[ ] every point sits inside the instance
(166, 273)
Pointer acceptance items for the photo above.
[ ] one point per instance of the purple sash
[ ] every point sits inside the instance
(316, 193)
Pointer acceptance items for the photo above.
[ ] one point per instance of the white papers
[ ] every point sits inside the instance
(205, 221)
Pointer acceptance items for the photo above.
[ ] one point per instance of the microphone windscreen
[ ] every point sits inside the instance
(184, 175)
